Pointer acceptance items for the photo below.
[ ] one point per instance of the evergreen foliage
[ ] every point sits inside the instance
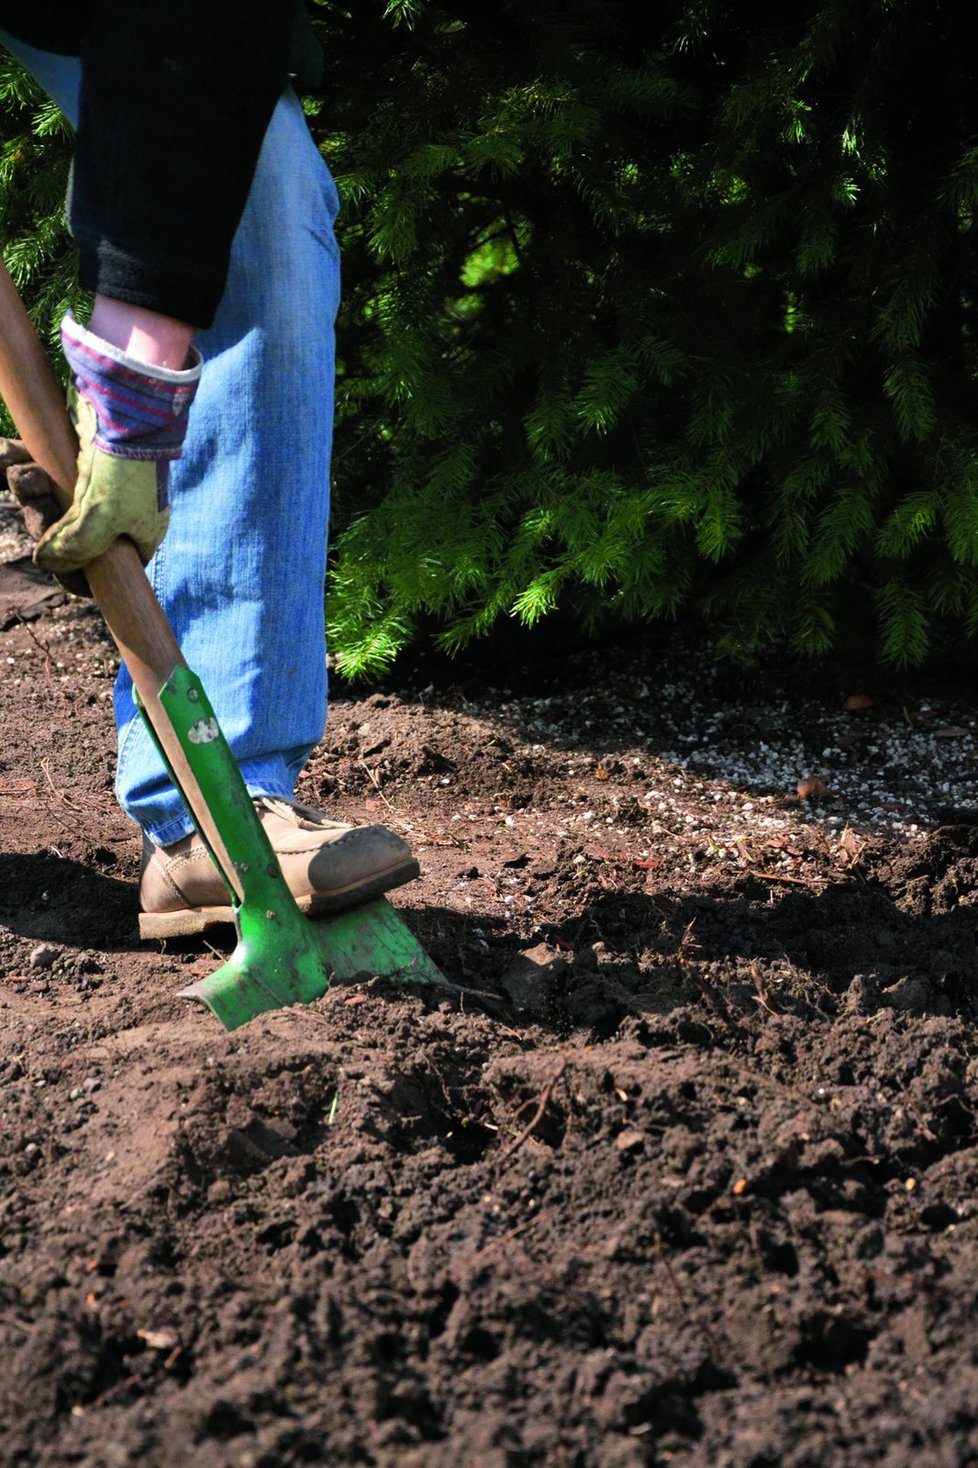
(647, 309)
(35, 154)
(651, 308)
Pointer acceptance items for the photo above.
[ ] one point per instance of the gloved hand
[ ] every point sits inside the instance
(131, 419)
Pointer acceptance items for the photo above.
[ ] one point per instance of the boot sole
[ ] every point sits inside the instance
(187, 922)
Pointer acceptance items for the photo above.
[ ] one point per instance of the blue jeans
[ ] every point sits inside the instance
(242, 570)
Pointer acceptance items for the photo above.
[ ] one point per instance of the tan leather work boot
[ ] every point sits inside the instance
(328, 867)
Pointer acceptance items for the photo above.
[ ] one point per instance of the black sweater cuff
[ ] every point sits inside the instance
(184, 290)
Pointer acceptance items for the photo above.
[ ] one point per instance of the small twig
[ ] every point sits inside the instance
(29, 787)
(42, 646)
(779, 877)
(71, 828)
(444, 840)
(528, 1130)
(112, 1392)
(686, 941)
(59, 793)
(304, 1012)
(762, 991)
(718, 1004)
(375, 783)
(470, 993)
(700, 1325)
(476, 1261)
(432, 840)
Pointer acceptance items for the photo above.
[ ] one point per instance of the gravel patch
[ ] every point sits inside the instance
(883, 764)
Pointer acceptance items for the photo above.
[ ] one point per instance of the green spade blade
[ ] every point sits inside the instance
(282, 957)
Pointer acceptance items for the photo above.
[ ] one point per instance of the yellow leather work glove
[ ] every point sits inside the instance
(131, 419)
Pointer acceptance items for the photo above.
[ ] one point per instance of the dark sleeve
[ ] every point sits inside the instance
(174, 105)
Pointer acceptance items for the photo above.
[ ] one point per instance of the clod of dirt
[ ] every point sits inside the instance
(909, 994)
(530, 978)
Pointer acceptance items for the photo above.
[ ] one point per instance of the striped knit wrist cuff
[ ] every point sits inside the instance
(142, 410)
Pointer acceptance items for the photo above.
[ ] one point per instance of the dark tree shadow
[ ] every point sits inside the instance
(59, 900)
(738, 950)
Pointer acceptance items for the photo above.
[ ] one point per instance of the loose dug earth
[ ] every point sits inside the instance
(691, 1179)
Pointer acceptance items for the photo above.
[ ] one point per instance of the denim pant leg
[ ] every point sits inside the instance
(242, 570)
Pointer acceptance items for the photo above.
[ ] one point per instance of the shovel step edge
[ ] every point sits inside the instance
(263, 973)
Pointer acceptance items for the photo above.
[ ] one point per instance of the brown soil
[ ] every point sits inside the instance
(691, 1180)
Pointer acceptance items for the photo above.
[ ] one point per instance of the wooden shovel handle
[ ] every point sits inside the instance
(117, 580)
(36, 403)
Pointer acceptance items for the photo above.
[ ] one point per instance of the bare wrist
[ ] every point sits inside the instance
(161, 341)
